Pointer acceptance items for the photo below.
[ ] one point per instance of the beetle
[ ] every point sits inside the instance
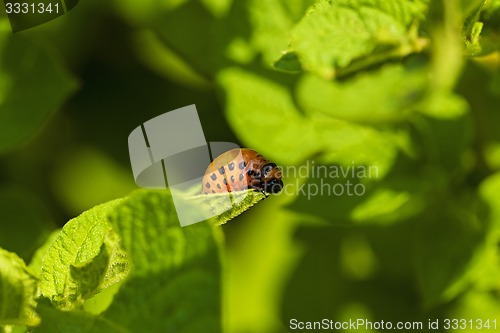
(241, 169)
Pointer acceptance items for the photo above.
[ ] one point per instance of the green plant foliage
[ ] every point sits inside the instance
(216, 204)
(253, 101)
(32, 86)
(130, 241)
(36, 260)
(78, 262)
(397, 91)
(184, 294)
(382, 115)
(17, 291)
(477, 41)
(353, 29)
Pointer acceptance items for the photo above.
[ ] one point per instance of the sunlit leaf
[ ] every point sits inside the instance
(357, 100)
(216, 204)
(334, 33)
(173, 283)
(82, 260)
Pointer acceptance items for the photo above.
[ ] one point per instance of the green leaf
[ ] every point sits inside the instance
(217, 203)
(225, 31)
(334, 33)
(381, 97)
(35, 264)
(17, 291)
(263, 113)
(481, 29)
(110, 266)
(173, 284)
(33, 85)
(79, 262)
(472, 28)
(262, 107)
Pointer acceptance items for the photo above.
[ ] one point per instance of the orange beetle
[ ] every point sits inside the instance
(241, 169)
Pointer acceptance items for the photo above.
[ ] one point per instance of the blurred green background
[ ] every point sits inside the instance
(411, 87)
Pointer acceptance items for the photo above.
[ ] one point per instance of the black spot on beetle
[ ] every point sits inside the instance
(231, 166)
(242, 165)
(213, 176)
(221, 170)
(213, 191)
(218, 186)
(207, 185)
(225, 181)
(232, 179)
(241, 177)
